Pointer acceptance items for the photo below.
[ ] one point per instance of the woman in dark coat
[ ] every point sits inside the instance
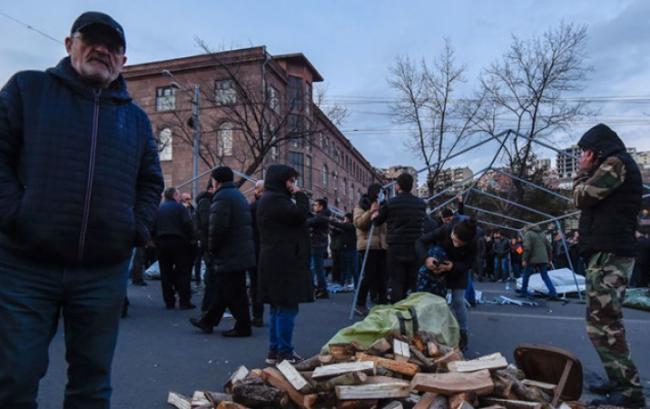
(283, 269)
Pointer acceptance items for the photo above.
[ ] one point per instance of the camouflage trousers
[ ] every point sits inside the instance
(607, 277)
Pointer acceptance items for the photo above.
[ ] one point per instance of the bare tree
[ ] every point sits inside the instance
(527, 92)
(337, 113)
(427, 101)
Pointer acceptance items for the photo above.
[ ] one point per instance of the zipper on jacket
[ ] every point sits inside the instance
(91, 175)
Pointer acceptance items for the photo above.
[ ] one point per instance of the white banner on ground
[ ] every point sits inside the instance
(562, 280)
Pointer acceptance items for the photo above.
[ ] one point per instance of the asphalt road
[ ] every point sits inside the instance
(159, 351)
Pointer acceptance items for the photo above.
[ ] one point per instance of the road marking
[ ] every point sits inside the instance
(547, 317)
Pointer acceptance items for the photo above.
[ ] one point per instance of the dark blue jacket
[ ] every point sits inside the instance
(80, 179)
(230, 236)
(173, 221)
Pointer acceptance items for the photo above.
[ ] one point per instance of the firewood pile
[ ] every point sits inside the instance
(394, 373)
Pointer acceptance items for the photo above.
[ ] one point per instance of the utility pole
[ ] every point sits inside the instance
(196, 142)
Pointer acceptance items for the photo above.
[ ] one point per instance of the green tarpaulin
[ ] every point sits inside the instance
(431, 315)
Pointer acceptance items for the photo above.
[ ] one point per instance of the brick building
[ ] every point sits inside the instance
(255, 109)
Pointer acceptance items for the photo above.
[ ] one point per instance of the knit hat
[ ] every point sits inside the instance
(223, 174)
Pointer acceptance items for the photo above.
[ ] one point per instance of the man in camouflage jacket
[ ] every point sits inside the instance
(608, 190)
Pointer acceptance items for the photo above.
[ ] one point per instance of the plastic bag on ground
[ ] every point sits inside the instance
(432, 314)
(638, 298)
(562, 281)
(153, 272)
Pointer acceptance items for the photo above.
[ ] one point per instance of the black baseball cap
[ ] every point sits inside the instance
(90, 18)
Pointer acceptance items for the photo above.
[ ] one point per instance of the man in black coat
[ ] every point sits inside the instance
(283, 268)
(80, 182)
(319, 236)
(200, 219)
(232, 253)
(404, 216)
(172, 235)
(258, 306)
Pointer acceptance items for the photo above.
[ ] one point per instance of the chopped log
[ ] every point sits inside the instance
(179, 401)
(421, 359)
(576, 405)
(353, 378)
(380, 347)
(385, 372)
(342, 352)
(404, 368)
(308, 364)
(239, 375)
(451, 356)
(548, 387)
(357, 404)
(325, 359)
(217, 397)
(513, 404)
(259, 396)
(425, 401)
(433, 350)
(374, 391)
(401, 350)
(230, 405)
(393, 405)
(502, 385)
(329, 371)
(384, 379)
(494, 407)
(418, 343)
(295, 379)
(495, 361)
(200, 401)
(461, 401)
(274, 378)
(454, 382)
(521, 391)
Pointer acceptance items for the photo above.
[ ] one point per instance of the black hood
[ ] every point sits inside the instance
(64, 71)
(204, 195)
(364, 202)
(602, 140)
(276, 178)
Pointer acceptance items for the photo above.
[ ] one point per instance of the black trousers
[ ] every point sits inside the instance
(175, 261)
(198, 258)
(402, 273)
(258, 307)
(375, 278)
(230, 294)
(336, 265)
(137, 266)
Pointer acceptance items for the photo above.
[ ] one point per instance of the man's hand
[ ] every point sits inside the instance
(587, 160)
(431, 263)
(374, 207)
(294, 189)
(446, 266)
(524, 264)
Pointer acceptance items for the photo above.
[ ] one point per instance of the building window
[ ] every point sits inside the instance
(225, 139)
(165, 144)
(297, 161)
(294, 123)
(344, 187)
(295, 93)
(273, 99)
(225, 92)
(307, 99)
(165, 99)
(308, 173)
(325, 175)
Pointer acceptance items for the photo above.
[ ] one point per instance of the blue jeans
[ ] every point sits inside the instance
(459, 308)
(32, 297)
(317, 269)
(281, 323)
(516, 269)
(544, 273)
(503, 263)
(349, 266)
(470, 294)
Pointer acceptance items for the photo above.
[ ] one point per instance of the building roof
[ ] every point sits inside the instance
(299, 58)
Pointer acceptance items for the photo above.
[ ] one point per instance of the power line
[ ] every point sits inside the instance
(30, 27)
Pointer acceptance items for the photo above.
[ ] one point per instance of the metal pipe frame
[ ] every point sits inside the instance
(530, 209)
(568, 257)
(236, 172)
(514, 219)
(461, 183)
(533, 185)
(498, 225)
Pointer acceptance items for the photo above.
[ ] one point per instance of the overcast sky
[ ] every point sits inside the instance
(352, 43)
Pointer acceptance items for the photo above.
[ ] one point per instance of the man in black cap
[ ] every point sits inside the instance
(80, 182)
(232, 253)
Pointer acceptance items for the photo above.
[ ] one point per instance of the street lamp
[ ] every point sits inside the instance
(196, 126)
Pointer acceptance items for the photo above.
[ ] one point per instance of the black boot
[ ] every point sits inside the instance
(616, 399)
(200, 324)
(462, 344)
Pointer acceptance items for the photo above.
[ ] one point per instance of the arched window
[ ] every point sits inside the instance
(165, 144)
(225, 139)
(325, 175)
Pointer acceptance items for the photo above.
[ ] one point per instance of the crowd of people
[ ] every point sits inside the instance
(71, 217)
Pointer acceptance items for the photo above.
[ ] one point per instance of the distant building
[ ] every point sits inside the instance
(453, 177)
(390, 174)
(567, 165)
(496, 181)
